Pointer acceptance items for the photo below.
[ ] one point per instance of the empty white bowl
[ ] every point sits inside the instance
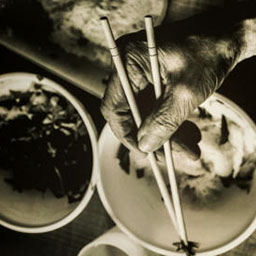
(114, 243)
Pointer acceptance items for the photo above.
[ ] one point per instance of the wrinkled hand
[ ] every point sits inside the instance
(195, 56)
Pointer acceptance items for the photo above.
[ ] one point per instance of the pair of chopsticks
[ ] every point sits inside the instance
(175, 212)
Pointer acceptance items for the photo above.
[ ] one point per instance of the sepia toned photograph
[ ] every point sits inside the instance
(127, 128)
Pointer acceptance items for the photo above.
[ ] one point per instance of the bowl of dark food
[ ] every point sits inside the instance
(217, 191)
(48, 154)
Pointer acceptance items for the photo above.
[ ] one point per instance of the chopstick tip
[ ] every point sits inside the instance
(148, 22)
(148, 16)
(104, 18)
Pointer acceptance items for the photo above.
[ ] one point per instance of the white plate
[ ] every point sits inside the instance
(33, 211)
(136, 207)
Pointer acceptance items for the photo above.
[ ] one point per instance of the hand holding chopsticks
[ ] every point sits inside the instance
(135, 112)
(175, 213)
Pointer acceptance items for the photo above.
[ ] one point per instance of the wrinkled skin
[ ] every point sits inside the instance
(195, 56)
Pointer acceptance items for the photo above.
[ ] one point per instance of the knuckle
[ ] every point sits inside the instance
(165, 122)
(183, 92)
(105, 110)
(185, 100)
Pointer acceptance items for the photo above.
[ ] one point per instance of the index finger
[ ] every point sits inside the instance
(116, 111)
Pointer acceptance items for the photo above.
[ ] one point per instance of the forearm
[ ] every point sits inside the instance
(243, 15)
(234, 25)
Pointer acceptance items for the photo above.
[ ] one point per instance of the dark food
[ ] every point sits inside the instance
(124, 158)
(140, 173)
(44, 144)
(190, 249)
(224, 130)
(244, 183)
(203, 113)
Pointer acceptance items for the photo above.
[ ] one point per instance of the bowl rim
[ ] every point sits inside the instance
(88, 122)
(212, 252)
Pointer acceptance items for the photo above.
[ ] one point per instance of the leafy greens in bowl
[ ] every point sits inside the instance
(47, 154)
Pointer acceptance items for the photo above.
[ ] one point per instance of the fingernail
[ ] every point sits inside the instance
(149, 143)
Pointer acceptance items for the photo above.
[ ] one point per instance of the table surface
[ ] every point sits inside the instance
(67, 241)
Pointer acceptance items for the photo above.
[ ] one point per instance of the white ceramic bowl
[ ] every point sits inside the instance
(136, 207)
(114, 243)
(32, 211)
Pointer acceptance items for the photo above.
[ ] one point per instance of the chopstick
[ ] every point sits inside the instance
(167, 147)
(136, 115)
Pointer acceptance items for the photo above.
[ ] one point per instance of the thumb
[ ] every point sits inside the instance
(169, 113)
